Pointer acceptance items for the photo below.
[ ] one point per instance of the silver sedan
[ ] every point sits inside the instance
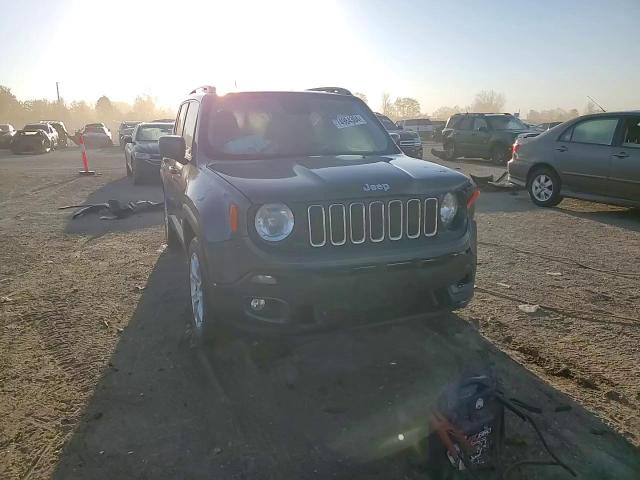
(593, 157)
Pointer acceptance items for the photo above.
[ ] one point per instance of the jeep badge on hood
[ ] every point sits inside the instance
(372, 188)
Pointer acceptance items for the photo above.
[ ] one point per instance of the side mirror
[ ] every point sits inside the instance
(399, 126)
(127, 139)
(173, 146)
(395, 137)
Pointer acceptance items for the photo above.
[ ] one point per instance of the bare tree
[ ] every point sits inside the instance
(553, 115)
(443, 113)
(387, 107)
(488, 101)
(406, 107)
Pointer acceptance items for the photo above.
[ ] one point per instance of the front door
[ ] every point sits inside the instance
(479, 139)
(625, 162)
(583, 155)
(462, 135)
(169, 170)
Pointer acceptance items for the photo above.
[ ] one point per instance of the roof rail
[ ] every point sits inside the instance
(204, 89)
(336, 90)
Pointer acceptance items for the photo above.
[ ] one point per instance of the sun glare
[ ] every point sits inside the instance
(233, 45)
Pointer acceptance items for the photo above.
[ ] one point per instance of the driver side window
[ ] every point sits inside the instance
(180, 119)
(479, 123)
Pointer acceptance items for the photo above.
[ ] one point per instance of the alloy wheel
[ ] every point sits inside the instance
(542, 187)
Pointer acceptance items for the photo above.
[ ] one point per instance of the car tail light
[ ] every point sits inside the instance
(473, 198)
(516, 148)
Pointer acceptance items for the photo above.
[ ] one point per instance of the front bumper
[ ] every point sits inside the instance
(309, 297)
(149, 168)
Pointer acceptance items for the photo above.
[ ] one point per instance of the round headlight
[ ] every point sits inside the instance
(448, 209)
(274, 222)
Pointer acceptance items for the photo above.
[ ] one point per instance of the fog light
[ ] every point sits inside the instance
(257, 304)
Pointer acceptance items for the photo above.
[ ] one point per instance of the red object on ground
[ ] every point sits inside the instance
(85, 160)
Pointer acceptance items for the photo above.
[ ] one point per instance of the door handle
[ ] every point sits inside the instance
(562, 148)
(174, 170)
(621, 155)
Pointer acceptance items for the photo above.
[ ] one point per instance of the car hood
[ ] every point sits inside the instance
(147, 147)
(309, 179)
(405, 134)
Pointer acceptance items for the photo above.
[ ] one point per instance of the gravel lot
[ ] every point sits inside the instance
(98, 377)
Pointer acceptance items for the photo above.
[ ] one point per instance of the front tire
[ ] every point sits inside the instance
(201, 318)
(450, 150)
(544, 187)
(138, 178)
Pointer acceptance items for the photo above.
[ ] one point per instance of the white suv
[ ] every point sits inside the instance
(421, 125)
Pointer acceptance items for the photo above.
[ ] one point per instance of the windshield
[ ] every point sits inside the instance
(505, 122)
(4, 128)
(152, 133)
(291, 124)
(387, 123)
(34, 127)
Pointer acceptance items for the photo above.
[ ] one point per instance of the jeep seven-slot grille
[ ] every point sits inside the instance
(375, 221)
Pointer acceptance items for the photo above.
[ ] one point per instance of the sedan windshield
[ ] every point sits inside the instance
(4, 128)
(266, 125)
(505, 122)
(152, 133)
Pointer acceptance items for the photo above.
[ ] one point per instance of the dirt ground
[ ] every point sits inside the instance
(99, 379)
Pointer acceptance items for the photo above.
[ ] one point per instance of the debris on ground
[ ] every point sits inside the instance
(528, 308)
(587, 383)
(487, 183)
(504, 285)
(114, 209)
(564, 372)
(554, 274)
(615, 396)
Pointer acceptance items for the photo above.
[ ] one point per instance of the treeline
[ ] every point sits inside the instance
(485, 101)
(76, 114)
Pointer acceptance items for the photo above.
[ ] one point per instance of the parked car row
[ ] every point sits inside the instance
(39, 137)
(409, 141)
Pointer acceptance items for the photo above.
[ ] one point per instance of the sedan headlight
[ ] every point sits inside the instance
(274, 222)
(448, 209)
(142, 155)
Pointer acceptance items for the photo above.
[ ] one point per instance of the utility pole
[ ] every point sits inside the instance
(58, 91)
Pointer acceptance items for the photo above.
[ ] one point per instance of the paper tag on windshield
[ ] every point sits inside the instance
(345, 121)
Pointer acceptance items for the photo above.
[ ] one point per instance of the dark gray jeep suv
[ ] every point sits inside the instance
(297, 207)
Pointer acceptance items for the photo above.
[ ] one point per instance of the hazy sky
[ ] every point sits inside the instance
(539, 53)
